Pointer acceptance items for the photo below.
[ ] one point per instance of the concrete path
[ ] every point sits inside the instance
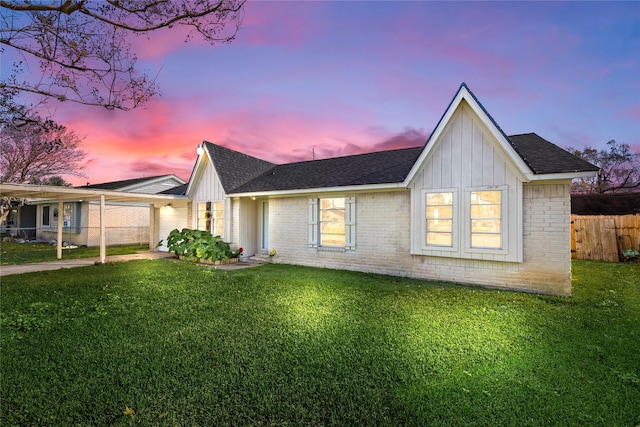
(6, 270)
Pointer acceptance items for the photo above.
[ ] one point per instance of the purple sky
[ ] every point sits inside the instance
(352, 77)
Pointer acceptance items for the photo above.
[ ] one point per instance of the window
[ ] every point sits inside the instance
(202, 221)
(70, 217)
(332, 225)
(45, 215)
(439, 219)
(486, 219)
(332, 222)
(217, 217)
(210, 217)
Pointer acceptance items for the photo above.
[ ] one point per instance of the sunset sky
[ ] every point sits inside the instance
(353, 77)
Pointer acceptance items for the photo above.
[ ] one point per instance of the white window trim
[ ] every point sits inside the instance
(455, 225)
(226, 215)
(504, 220)
(69, 226)
(349, 222)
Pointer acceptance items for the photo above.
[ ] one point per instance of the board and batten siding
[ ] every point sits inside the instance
(209, 187)
(467, 156)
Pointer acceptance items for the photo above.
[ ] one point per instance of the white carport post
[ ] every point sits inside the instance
(59, 237)
(103, 245)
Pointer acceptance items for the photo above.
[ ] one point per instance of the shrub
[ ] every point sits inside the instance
(199, 245)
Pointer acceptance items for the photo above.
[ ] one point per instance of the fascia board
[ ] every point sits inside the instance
(348, 188)
(197, 169)
(562, 175)
(156, 180)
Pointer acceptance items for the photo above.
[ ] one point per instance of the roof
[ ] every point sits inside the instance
(382, 167)
(240, 173)
(36, 193)
(180, 190)
(543, 157)
(125, 184)
(605, 204)
(234, 168)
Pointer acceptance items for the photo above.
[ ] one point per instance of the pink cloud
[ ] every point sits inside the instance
(280, 23)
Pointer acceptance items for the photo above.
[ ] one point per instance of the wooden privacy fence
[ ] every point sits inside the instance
(595, 237)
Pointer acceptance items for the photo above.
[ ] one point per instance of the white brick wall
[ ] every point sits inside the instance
(383, 242)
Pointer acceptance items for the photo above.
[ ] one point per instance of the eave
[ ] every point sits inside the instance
(322, 190)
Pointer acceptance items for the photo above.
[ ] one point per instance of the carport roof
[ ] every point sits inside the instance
(49, 192)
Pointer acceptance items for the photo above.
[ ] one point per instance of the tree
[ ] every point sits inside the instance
(35, 150)
(619, 169)
(82, 50)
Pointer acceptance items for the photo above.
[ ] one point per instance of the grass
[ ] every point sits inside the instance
(156, 342)
(12, 253)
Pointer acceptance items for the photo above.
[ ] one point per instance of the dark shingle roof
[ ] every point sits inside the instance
(543, 157)
(381, 167)
(241, 173)
(235, 168)
(117, 185)
(176, 191)
(605, 204)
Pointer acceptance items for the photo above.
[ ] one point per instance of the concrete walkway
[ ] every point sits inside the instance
(6, 270)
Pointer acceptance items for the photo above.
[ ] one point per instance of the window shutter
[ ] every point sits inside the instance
(350, 222)
(313, 223)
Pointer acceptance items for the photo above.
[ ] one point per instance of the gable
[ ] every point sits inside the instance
(205, 183)
(146, 185)
(465, 154)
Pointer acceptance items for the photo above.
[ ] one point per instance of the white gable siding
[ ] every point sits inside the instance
(468, 156)
(155, 187)
(208, 186)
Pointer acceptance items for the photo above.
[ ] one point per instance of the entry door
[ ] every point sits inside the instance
(264, 226)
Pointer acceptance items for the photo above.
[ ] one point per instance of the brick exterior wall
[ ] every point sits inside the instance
(383, 242)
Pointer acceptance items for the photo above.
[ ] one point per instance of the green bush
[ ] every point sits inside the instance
(199, 245)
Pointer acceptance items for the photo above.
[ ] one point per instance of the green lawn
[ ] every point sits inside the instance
(157, 342)
(12, 253)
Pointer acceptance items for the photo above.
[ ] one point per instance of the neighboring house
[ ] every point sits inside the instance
(20, 223)
(126, 222)
(471, 206)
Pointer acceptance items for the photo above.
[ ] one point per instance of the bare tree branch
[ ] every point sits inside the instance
(82, 48)
(619, 169)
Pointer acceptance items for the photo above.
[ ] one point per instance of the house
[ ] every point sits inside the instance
(20, 223)
(127, 222)
(472, 205)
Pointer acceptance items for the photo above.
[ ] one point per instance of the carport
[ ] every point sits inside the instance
(35, 193)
